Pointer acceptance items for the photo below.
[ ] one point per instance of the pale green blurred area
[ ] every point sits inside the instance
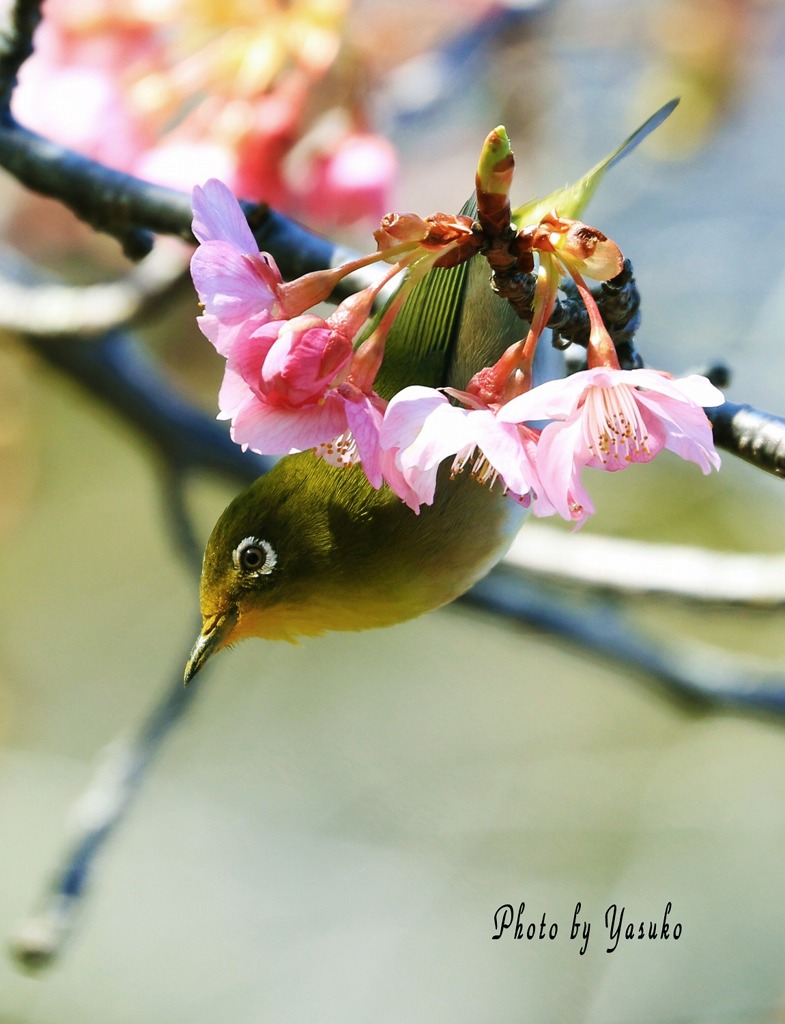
(327, 838)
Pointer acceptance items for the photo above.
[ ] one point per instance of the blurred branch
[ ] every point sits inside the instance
(691, 670)
(638, 567)
(79, 312)
(116, 370)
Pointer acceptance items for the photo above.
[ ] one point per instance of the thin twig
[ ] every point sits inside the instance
(103, 805)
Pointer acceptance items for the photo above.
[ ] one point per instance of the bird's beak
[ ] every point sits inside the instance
(215, 632)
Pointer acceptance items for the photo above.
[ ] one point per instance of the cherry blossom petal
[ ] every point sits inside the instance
(688, 434)
(423, 429)
(218, 217)
(230, 285)
(556, 399)
(693, 388)
(303, 361)
(364, 418)
(249, 350)
(444, 432)
(406, 413)
(271, 430)
(615, 431)
(505, 449)
(560, 473)
(553, 399)
(233, 395)
(415, 436)
(608, 419)
(394, 478)
(225, 338)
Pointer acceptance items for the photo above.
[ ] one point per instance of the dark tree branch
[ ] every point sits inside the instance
(133, 210)
(16, 45)
(618, 301)
(755, 436)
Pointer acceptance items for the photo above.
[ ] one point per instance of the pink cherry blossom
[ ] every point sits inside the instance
(279, 388)
(273, 430)
(607, 419)
(293, 380)
(421, 428)
(290, 363)
(241, 289)
(219, 218)
(286, 388)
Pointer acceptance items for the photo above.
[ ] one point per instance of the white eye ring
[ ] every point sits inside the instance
(255, 557)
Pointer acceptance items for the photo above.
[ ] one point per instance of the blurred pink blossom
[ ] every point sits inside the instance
(199, 90)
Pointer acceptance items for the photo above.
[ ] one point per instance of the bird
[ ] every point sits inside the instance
(310, 547)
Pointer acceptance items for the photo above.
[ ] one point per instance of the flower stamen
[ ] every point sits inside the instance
(614, 428)
(340, 452)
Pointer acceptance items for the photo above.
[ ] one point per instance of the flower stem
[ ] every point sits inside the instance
(600, 351)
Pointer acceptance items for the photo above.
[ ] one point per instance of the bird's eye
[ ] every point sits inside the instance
(254, 556)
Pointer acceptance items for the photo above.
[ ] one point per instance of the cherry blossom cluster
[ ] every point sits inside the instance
(296, 381)
(231, 90)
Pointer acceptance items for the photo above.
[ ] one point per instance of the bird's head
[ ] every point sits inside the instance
(267, 564)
